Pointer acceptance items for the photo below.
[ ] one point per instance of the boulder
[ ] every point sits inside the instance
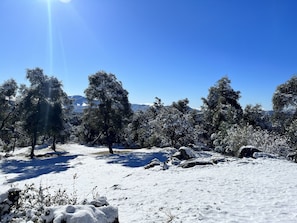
(175, 161)
(264, 155)
(81, 213)
(199, 147)
(247, 151)
(195, 162)
(184, 153)
(154, 162)
(157, 162)
(8, 200)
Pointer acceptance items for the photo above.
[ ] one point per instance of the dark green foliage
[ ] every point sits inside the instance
(8, 114)
(285, 96)
(108, 111)
(285, 109)
(256, 117)
(221, 108)
(182, 105)
(43, 106)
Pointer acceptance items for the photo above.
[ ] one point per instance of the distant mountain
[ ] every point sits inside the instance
(137, 107)
(80, 102)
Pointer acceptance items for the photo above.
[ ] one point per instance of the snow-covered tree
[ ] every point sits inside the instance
(8, 115)
(182, 105)
(140, 131)
(256, 116)
(161, 125)
(175, 127)
(109, 109)
(285, 107)
(42, 106)
(285, 96)
(221, 108)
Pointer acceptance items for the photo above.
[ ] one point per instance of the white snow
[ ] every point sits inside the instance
(80, 214)
(239, 190)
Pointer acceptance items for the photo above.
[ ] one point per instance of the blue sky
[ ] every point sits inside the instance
(172, 49)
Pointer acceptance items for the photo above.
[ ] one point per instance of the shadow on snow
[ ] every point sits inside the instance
(27, 169)
(134, 159)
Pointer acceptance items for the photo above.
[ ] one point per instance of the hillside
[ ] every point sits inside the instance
(237, 190)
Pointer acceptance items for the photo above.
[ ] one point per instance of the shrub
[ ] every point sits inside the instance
(33, 202)
(230, 140)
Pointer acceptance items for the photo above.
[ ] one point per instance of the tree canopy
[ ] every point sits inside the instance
(109, 109)
(42, 105)
(221, 105)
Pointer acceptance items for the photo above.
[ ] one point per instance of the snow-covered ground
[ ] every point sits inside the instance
(239, 190)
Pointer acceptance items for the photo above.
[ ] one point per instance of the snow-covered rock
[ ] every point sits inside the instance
(247, 151)
(195, 162)
(199, 147)
(81, 214)
(156, 162)
(264, 155)
(185, 153)
(8, 199)
(174, 161)
(153, 163)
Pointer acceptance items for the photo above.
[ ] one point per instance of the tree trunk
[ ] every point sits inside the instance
(110, 148)
(34, 140)
(54, 143)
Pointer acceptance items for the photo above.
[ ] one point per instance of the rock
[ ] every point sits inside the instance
(218, 160)
(199, 147)
(257, 155)
(9, 199)
(195, 162)
(185, 153)
(14, 195)
(156, 162)
(175, 161)
(153, 163)
(247, 151)
(292, 156)
(81, 213)
(100, 202)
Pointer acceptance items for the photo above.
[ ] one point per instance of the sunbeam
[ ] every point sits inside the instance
(50, 34)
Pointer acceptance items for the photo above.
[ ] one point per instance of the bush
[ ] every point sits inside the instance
(230, 140)
(33, 202)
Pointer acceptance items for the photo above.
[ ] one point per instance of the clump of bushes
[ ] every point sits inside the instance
(32, 202)
(230, 140)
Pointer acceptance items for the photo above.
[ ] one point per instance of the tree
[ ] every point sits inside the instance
(43, 107)
(161, 125)
(8, 111)
(182, 105)
(109, 109)
(221, 108)
(139, 130)
(256, 117)
(142, 131)
(285, 96)
(175, 127)
(285, 109)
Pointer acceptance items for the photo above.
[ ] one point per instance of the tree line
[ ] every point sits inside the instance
(43, 113)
